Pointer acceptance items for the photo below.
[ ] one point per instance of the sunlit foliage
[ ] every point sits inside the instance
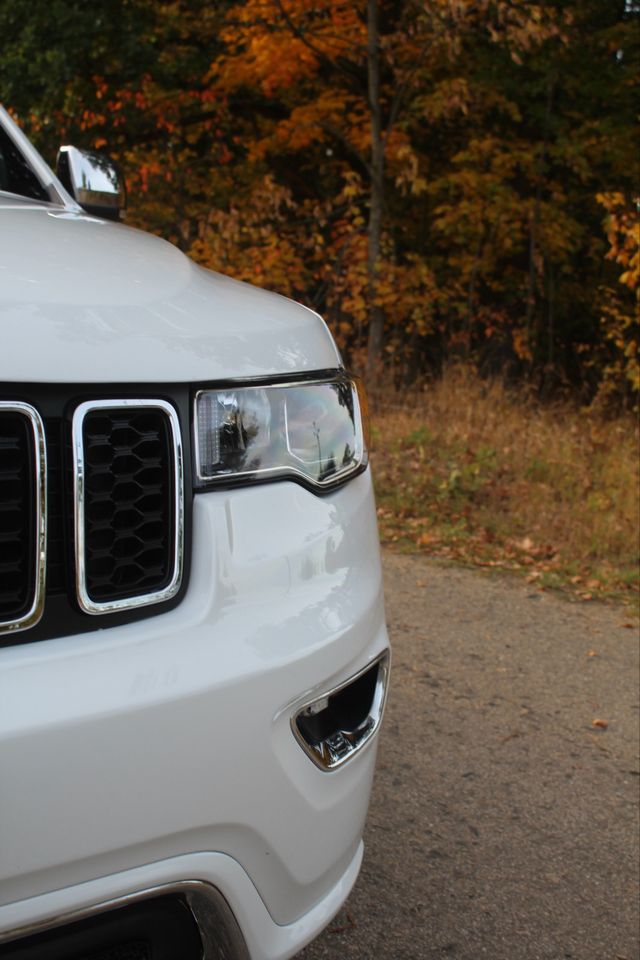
(441, 179)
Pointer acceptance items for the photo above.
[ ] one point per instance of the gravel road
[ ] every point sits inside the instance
(503, 824)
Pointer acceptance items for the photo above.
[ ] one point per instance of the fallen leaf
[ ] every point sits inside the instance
(511, 736)
(349, 925)
(597, 741)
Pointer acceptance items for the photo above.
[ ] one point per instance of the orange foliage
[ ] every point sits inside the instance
(248, 138)
(621, 307)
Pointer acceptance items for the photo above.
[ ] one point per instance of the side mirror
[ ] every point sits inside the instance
(93, 180)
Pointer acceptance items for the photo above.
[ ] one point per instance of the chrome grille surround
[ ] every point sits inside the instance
(86, 602)
(32, 616)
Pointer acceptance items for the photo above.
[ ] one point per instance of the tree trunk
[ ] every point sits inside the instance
(376, 314)
(534, 226)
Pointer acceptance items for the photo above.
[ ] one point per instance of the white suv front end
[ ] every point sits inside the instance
(193, 653)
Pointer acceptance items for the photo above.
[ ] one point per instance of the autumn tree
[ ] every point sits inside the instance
(431, 176)
(332, 78)
(620, 302)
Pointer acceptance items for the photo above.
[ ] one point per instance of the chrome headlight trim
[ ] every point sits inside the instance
(86, 603)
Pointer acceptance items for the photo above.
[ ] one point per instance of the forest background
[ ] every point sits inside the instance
(453, 184)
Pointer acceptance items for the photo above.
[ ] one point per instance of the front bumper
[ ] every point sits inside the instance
(236, 926)
(166, 745)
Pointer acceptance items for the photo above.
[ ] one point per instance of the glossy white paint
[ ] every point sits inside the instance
(162, 750)
(109, 304)
(172, 734)
(265, 939)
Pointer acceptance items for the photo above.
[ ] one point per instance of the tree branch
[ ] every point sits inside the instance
(302, 36)
(349, 147)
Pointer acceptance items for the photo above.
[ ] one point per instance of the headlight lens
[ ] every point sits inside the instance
(311, 429)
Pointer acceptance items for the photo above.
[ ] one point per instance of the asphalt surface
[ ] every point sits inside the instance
(503, 823)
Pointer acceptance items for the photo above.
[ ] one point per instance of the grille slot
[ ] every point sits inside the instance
(129, 503)
(22, 509)
(17, 497)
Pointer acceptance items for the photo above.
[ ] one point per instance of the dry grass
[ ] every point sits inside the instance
(467, 471)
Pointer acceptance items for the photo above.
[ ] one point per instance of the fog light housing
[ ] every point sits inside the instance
(334, 727)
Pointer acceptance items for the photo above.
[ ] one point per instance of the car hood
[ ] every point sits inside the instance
(85, 300)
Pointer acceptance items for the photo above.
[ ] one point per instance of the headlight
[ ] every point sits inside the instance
(311, 430)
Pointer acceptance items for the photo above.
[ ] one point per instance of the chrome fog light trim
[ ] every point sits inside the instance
(333, 727)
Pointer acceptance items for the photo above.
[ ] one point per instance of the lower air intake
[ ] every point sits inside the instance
(124, 951)
(160, 929)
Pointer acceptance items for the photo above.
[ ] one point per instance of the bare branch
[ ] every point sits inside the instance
(396, 103)
(349, 147)
(303, 37)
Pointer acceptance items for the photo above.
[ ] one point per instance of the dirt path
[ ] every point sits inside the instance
(503, 823)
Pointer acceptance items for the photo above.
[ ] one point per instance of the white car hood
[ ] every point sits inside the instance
(84, 300)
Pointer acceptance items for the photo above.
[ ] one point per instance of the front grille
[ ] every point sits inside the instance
(95, 497)
(22, 472)
(129, 503)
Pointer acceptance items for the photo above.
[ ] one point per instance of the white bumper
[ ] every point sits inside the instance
(162, 751)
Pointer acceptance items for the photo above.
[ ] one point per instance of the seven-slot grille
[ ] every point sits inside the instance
(116, 516)
(22, 516)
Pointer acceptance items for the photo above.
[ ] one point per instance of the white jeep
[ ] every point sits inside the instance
(193, 653)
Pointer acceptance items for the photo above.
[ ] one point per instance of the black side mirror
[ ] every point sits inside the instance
(93, 180)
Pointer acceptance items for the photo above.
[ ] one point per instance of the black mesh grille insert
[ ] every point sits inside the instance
(129, 502)
(17, 516)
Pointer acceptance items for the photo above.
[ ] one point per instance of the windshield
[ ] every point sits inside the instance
(16, 176)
